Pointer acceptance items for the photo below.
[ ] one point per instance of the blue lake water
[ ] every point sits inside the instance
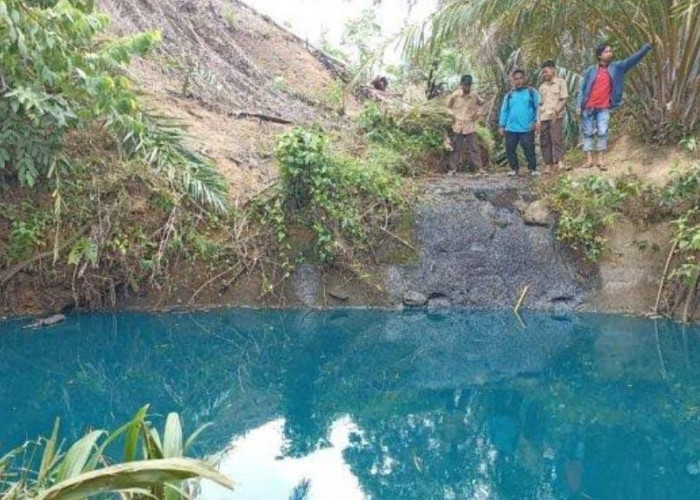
(379, 404)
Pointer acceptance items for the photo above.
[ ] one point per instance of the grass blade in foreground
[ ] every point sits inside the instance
(140, 474)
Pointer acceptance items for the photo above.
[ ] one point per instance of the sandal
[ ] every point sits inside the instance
(602, 167)
(588, 165)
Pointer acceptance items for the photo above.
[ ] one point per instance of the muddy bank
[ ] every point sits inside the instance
(480, 242)
(471, 242)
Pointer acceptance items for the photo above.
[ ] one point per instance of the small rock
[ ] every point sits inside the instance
(50, 321)
(339, 294)
(414, 299)
(537, 214)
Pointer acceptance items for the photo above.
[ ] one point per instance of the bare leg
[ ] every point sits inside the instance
(601, 164)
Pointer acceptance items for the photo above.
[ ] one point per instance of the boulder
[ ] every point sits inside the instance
(537, 214)
(414, 299)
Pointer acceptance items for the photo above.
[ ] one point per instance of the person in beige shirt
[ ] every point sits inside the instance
(554, 95)
(466, 107)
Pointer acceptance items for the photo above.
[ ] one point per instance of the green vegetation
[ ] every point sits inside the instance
(585, 208)
(406, 143)
(362, 37)
(665, 93)
(98, 183)
(337, 196)
(61, 77)
(684, 194)
(153, 466)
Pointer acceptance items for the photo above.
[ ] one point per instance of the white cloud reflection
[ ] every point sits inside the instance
(252, 464)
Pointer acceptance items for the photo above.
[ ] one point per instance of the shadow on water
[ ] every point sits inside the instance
(453, 405)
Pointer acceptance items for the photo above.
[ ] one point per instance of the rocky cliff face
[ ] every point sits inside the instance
(481, 243)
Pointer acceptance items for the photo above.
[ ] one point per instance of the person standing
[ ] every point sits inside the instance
(554, 95)
(519, 121)
(601, 92)
(466, 107)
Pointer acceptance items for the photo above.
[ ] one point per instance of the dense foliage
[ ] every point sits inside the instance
(684, 192)
(665, 89)
(61, 75)
(585, 208)
(340, 198)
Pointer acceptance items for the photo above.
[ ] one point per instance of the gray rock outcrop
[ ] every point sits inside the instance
(477, 250)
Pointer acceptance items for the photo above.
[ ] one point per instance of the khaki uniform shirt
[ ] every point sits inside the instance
(552, 93)
(466, 110)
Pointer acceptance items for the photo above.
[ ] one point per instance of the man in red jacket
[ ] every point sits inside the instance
(600, 93)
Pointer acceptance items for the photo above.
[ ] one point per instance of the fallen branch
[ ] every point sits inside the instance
(209, 282)
(12, 272)
(521, 299)
(662, 283)
(691, 296)
(400, 240)
(263, 117)
(166, 233)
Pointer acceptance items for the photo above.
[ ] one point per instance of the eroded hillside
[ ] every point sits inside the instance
(219, 67)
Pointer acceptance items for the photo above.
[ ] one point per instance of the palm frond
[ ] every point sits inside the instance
(160, 143)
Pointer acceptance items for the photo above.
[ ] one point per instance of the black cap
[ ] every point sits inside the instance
(466, 80)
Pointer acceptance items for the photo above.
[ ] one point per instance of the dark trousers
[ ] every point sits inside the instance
(527, 141)
(465, 143)
(552, 141)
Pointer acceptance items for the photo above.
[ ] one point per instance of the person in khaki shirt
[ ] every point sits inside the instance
(466, 107)
(552, 110)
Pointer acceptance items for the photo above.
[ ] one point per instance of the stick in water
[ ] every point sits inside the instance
(521, 299)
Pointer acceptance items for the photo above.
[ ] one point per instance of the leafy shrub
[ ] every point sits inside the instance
(27, 235)
(684, 192)
(585, 208)
(684, 188)
(410, 138)
(688, 237)
(415, 135)
(333, 194)
(59, 75)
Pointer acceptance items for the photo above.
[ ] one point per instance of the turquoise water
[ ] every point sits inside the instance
(382, 404)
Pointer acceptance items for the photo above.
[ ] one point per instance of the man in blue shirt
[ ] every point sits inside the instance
(519, 121)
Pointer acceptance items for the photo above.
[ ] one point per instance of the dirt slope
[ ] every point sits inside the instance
(219, 59)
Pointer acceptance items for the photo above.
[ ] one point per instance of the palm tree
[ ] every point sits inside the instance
(669, 87)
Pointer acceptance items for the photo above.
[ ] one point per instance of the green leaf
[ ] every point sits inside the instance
(172, 437)
(140, 474)
(133, 431)
(48, 459)
(193, 437)
(78, 456)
